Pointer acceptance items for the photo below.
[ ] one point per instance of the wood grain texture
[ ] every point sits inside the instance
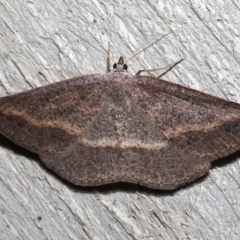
(36, 50)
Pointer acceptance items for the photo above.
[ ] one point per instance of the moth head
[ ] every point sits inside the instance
(120, 66)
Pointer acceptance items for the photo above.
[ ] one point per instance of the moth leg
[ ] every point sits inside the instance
(108, 58)
(160, 68)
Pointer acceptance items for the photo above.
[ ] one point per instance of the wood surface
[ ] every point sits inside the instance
(36, 50)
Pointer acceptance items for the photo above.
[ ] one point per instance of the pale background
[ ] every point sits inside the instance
(35, 50)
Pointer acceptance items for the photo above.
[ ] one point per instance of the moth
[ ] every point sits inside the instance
(104, 128)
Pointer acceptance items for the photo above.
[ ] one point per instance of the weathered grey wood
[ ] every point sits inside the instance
(35, 50)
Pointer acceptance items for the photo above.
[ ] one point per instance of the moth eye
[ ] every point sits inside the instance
(114, 65)
(125, 67)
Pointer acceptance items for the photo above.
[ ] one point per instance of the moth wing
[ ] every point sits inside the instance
(196, 129)
(49, 119)
(141, 130)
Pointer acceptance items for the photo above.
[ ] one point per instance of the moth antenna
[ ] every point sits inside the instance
(148, 46)
(105, 54)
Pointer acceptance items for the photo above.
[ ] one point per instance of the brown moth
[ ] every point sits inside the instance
(99, 129)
